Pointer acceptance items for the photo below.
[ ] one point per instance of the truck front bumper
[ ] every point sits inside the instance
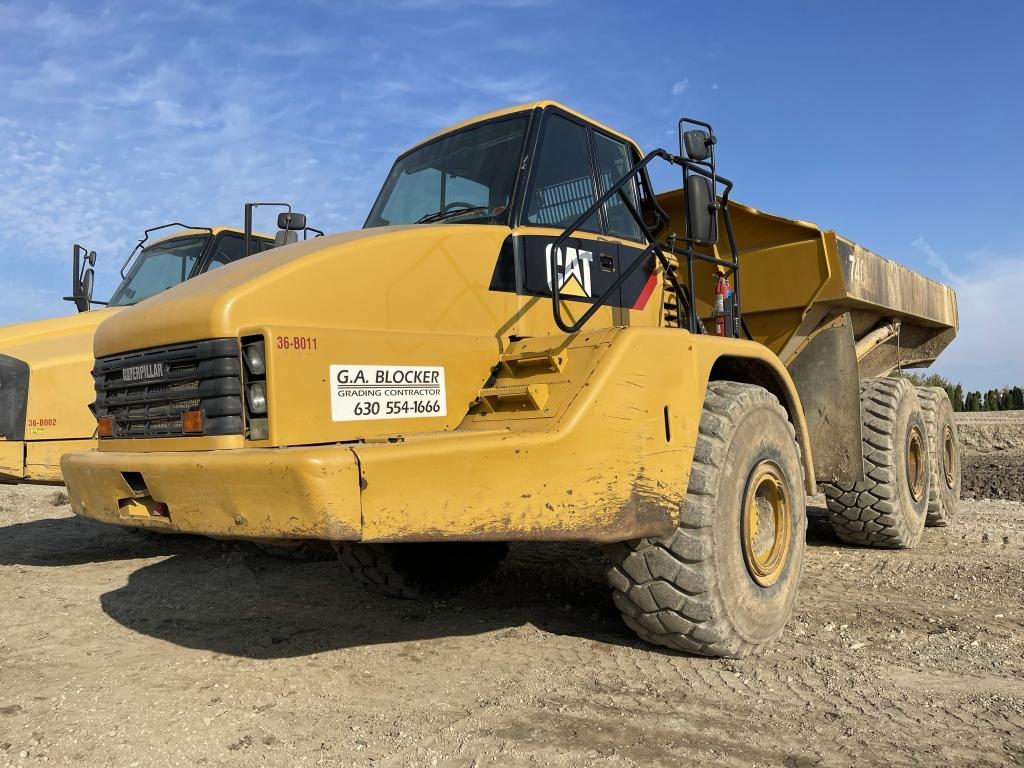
(250, 494)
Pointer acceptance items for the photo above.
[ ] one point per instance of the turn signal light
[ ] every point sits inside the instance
(192, 422)
(106, 426)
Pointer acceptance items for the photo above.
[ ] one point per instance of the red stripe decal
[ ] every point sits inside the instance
(645, 294)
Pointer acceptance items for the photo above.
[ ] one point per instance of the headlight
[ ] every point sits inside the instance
(254, 359)
(255, 384)
(257, 395)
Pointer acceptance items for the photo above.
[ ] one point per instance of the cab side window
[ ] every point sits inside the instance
(229, 247)
(563, 182)
(613, 162)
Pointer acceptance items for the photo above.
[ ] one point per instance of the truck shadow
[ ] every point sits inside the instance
(247, 604)
(230, 598)
(240, 602)
(819, 528)
(60, 541)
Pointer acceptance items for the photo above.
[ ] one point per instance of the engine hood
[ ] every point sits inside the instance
(58, 352)
(40, 334)
(422, 278)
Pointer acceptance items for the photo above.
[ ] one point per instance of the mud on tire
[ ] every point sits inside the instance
(417, 570)
(944, 449)
(887, 508)
(696, 590)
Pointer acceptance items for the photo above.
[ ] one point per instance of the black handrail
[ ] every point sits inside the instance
(684, 299)
(145, 237)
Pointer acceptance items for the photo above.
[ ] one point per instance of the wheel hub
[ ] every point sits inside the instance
(948, 457)
(767, 523)
(916, 470)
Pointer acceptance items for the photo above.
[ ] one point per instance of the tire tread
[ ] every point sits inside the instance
(665, 587)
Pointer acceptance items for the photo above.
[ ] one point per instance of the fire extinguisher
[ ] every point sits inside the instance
(722, 292)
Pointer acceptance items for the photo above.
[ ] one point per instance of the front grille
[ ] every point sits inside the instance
(147, 391)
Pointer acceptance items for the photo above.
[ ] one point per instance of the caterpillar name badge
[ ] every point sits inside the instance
(362, 392)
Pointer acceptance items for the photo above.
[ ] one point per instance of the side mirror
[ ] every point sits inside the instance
(701, 210)
(296, 222)
(88, 278)
(698, 144)
(82, 277)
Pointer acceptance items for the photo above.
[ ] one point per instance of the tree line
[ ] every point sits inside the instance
(1002, 399)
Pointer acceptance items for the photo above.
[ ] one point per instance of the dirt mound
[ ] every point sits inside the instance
(988, 432)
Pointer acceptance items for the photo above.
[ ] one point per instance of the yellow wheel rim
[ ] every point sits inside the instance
(916, 470)
(767, 524)
(948, 456)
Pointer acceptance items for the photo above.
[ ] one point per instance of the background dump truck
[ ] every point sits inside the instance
(45, 366)
(525, 343)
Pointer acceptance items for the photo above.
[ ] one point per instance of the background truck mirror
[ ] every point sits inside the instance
(292, 220)
(82, 277)
(86, 287)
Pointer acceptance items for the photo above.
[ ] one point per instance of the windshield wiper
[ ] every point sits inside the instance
(442, 215)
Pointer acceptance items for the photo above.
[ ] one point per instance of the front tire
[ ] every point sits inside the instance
(724, 583)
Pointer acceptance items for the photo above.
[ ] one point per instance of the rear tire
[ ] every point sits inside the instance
(724, 582)
(887, 508)
(296, 550)
(944, 448)
(413, 571)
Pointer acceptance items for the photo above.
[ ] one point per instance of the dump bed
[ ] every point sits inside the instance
(834, 312)
(797, 279)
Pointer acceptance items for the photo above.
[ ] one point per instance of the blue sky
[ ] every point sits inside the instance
(898, 124)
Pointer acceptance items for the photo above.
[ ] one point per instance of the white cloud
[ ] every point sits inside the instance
(510, 89)
(987, 351)
(935, 261)
(680, 86)
(54, 74)
(57, 22)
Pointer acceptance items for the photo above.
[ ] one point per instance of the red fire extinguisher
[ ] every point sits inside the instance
(722, 292)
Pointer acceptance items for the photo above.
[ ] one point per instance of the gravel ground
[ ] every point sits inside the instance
(120, 650)
(998, 475)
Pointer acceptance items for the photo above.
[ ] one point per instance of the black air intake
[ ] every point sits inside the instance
(13, 397)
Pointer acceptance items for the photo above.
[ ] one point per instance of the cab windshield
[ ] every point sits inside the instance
(466, 177)
(159, 267)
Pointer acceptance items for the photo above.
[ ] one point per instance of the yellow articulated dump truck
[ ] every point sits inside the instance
(524, 342)
(46, 385)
